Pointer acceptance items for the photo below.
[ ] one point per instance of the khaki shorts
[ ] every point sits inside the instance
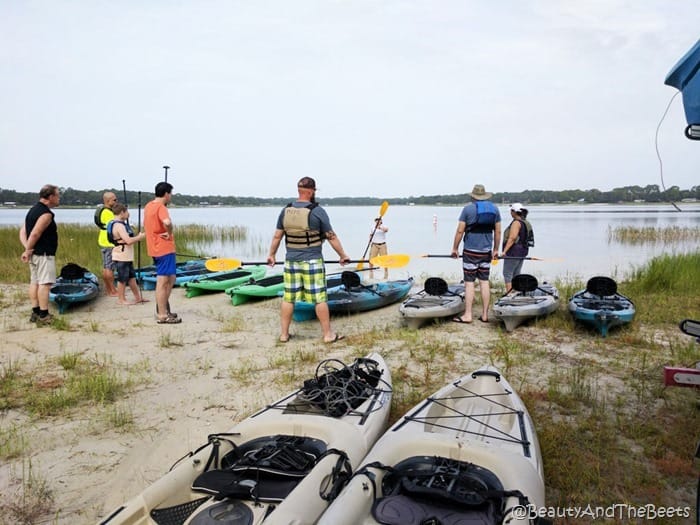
(42, 269)
(377, 249)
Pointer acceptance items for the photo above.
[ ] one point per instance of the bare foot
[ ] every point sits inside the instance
(142, 300)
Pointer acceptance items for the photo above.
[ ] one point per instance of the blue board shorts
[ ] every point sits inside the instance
(305, 281)
(165, 264)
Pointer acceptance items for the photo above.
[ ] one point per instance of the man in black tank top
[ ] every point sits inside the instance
(39, 236)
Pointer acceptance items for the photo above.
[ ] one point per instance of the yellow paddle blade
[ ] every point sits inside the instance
(360, 265)
(391, 261)
(222, 265)
(383, 208)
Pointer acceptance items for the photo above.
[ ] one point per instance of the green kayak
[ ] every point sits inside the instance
(271, 286)
(256, 289)
(222, 281)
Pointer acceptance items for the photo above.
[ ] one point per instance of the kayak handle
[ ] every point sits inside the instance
(486, 373)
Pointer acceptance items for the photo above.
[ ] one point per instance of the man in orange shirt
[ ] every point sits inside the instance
(161, 246)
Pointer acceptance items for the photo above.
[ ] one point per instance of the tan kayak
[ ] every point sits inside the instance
(282, 464)
(467, 454)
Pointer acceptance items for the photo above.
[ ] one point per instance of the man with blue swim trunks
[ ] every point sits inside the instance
(304, 225)
(160, 243)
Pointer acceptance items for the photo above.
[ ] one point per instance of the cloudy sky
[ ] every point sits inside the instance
(385, 98)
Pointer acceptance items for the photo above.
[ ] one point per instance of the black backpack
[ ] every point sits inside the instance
(98, 217)
(73, 272)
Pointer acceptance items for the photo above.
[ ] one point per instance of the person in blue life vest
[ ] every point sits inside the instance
(515, 244)
(304, 225)
(479, 226)
(105, 214)
(39, 236)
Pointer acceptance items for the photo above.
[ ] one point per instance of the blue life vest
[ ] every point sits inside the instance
(486, 215)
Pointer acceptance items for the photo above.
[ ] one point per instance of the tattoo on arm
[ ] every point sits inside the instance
(330, 235)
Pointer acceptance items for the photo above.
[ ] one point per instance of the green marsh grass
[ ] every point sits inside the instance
(77, 243)
(651, 234)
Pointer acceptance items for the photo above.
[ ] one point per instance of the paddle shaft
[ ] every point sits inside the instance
(138, 245)
(495, 258)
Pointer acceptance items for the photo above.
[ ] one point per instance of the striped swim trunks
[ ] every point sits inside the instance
(305, 281)
(476, 265)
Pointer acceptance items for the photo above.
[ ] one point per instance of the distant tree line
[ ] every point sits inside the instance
(649, 193)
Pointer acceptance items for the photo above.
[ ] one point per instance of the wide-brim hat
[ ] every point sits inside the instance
(479, 193)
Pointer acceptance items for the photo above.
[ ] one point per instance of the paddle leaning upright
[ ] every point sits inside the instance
(304, 225)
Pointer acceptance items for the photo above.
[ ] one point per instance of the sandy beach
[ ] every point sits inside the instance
(199, 377)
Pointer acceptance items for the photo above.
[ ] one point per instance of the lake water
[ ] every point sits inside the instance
(573, 238)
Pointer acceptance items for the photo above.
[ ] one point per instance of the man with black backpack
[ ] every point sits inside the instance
(480, 227)
(103, 215)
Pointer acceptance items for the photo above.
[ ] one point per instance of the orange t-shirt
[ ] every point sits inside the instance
(154, 214)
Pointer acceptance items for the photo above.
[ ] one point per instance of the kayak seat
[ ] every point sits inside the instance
(424, 488)
(402, 510)
(601, 286)
(435, 286)
(350, 280)
(264, 469)
(525, 283)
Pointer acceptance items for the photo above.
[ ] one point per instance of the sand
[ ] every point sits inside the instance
(192, 379)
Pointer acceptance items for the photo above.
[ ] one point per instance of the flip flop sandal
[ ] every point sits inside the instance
(169, 320)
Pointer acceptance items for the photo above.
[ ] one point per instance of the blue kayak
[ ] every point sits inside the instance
(66, 292)
(353, 297)
(600, 306)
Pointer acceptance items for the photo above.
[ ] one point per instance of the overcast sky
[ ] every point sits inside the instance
(381, 98)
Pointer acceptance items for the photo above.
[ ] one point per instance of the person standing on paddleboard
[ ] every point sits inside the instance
(479, 226)
(304, 225)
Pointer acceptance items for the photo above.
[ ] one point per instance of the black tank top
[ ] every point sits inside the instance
(48, 242)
